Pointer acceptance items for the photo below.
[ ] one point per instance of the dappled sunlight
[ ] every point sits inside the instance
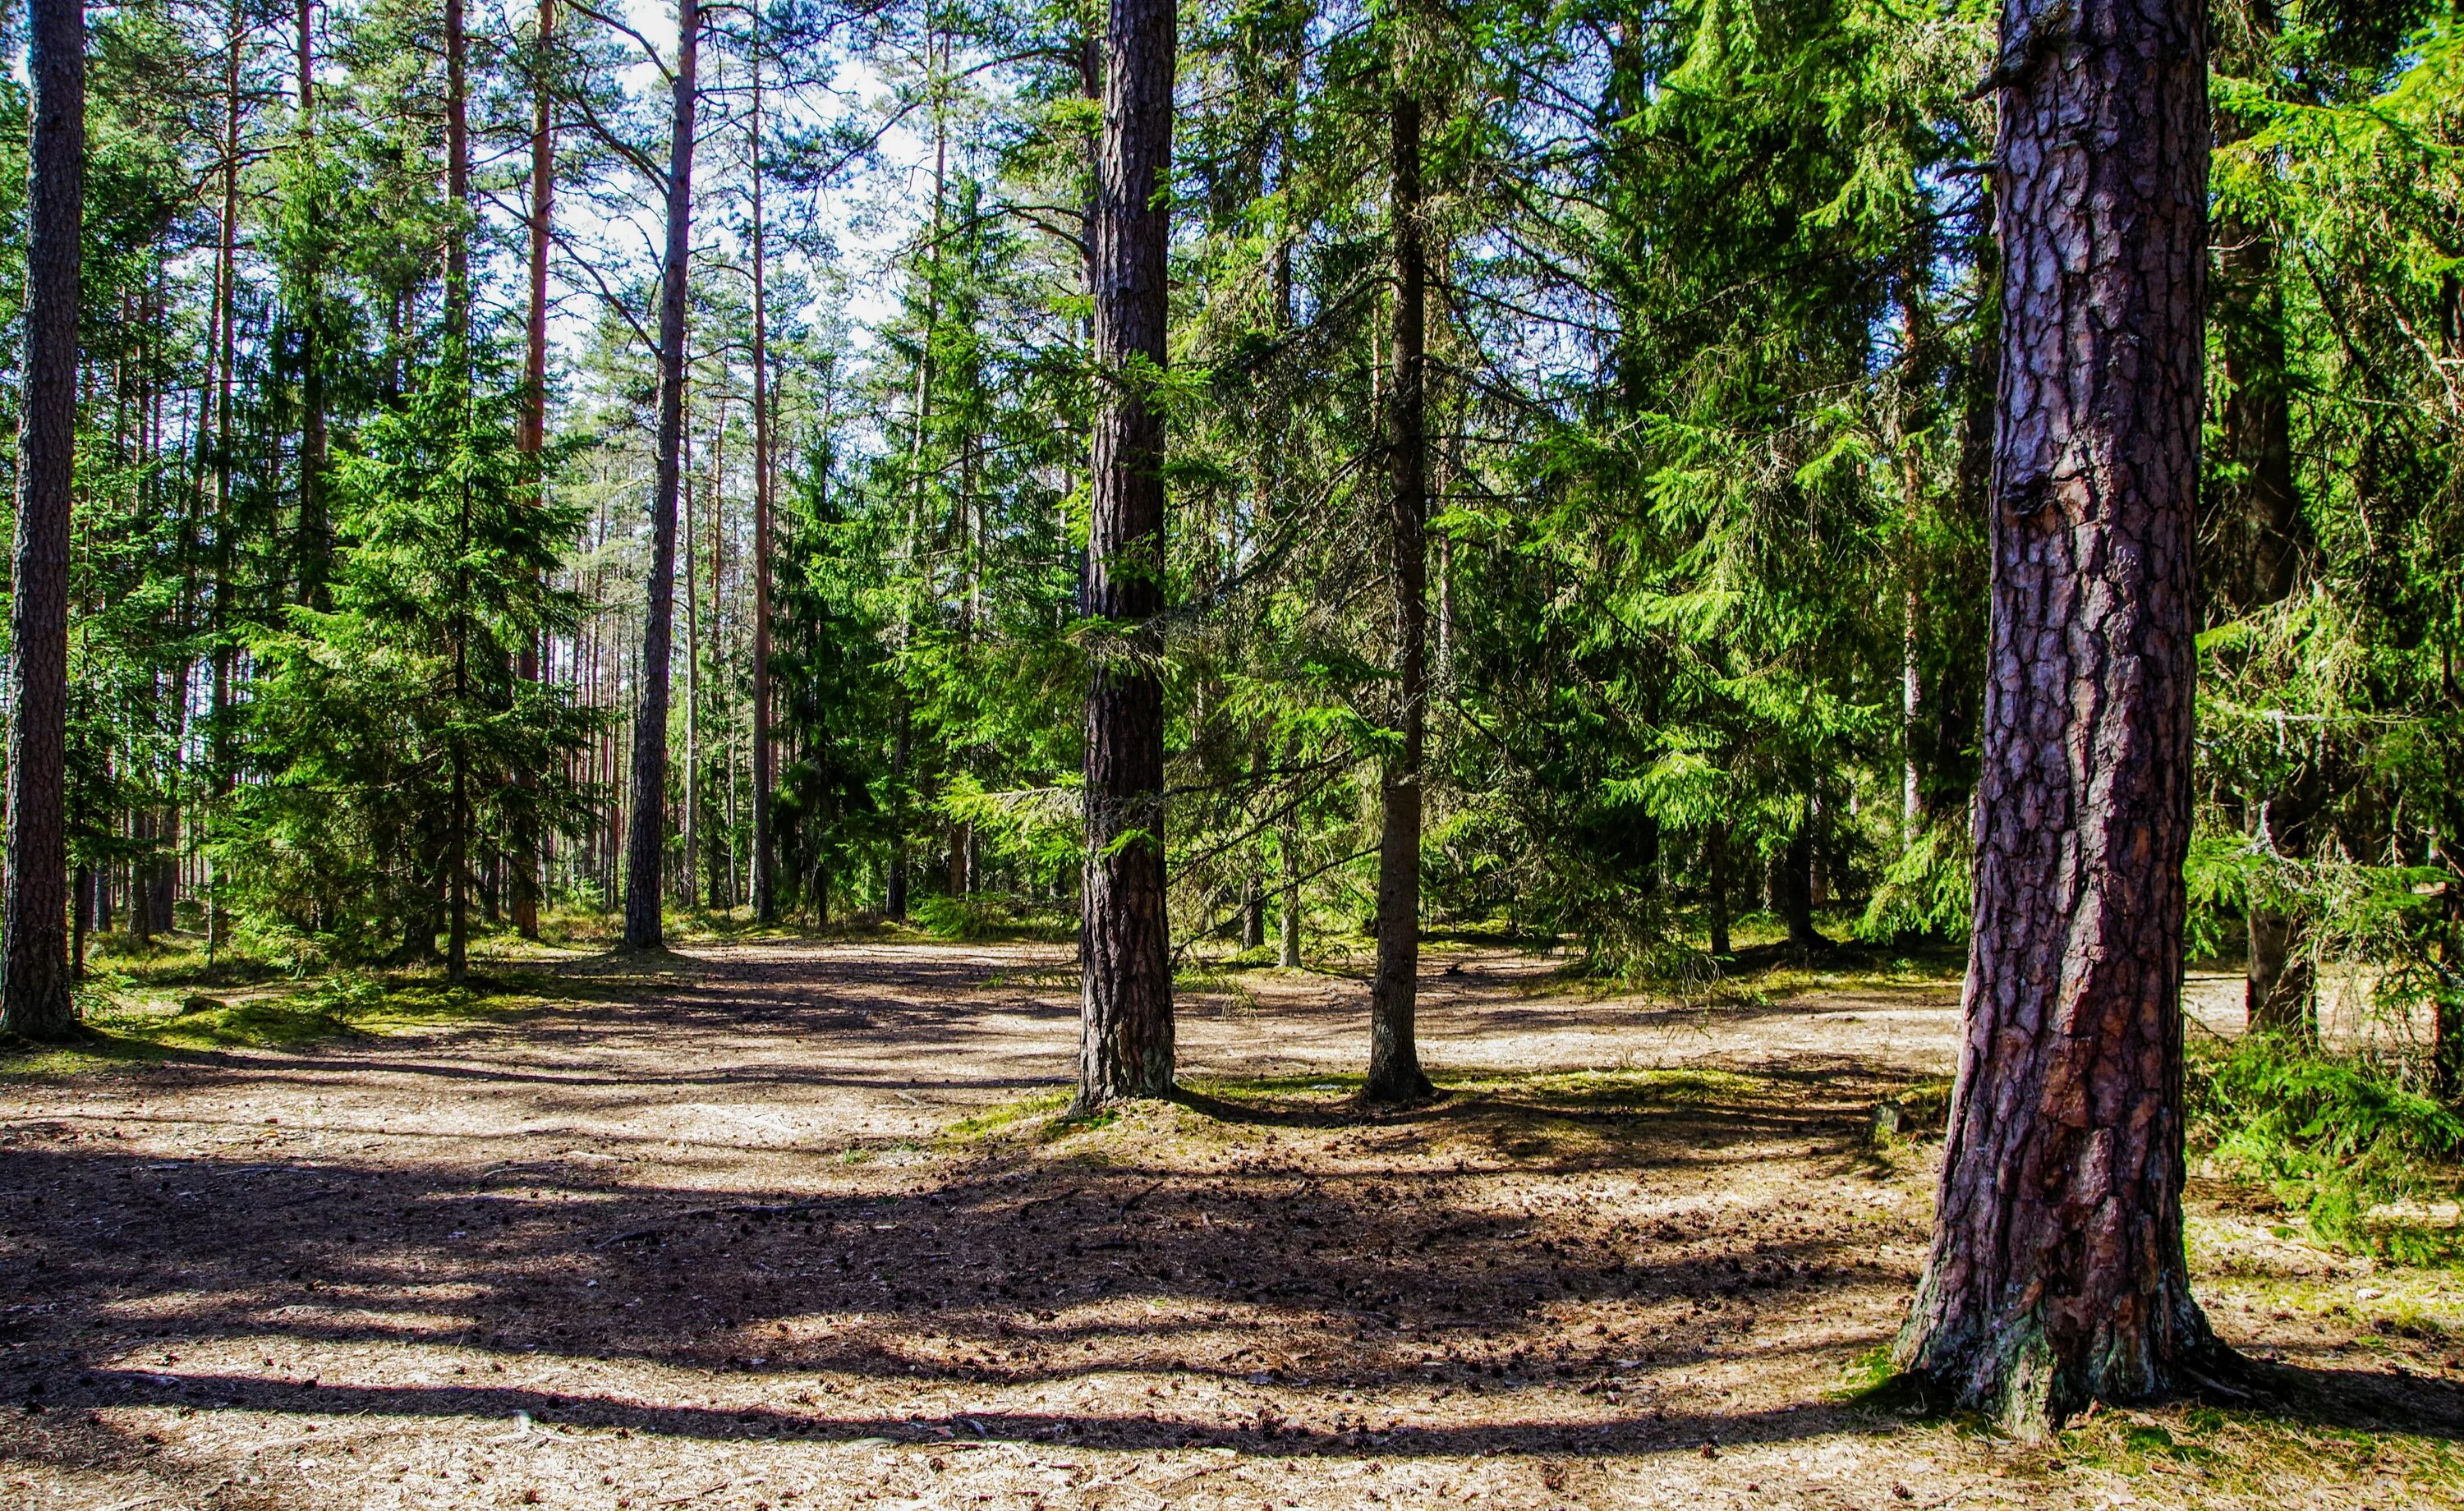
(825, 1206)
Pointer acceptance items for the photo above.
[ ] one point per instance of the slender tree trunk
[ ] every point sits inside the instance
(457, 332)
(315, 544)
(457, 174)
(693, 685)
(1394, 1072)
(894, 903)
(1124, 942)
(714, 833)
(765, 858)
(647, 841)
(526, 857)
(1795, 889)
(1715, 866)
(2262, 540)
(2057, 1275)
(226, 299)
(1287, 942)
(35, 998)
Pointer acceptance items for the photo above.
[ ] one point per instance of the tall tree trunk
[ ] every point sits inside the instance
(765, 858)
(226, 302)
(693, 685)
(2261, 541)
(1124, 938)
(716, 832)
(2057, 1275)
(526, 870)
(315, 543)
(647, 843)
(457, 174)
(35, 1000)
(1394, 1072)
(457, 332)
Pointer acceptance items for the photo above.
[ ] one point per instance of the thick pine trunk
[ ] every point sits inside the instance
(1394, 1072)
(35, 1000)
(1124, 943)
(646, 845)
(2057, 1276)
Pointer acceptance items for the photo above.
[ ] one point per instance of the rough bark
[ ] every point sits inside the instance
(646, 842)
(1125, 997)
(1395, 1073)
(35, 1000)
(2057, 1275)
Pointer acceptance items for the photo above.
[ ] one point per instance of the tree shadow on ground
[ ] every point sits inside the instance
(1587, 1256)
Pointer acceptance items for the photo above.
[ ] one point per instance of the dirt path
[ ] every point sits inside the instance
(791, 1229)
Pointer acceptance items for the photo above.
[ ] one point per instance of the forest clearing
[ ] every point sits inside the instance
(794, 1224)
(1276, 753)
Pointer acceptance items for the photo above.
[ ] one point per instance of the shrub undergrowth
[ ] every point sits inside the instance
(2342, 1139)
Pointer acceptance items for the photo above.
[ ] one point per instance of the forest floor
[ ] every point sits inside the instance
(785, 1225)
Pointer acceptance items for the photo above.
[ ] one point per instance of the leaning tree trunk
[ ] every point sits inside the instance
(645, 844)
(2057, 1275)
(35, 999)
(1394, 1072)
(1124, 945)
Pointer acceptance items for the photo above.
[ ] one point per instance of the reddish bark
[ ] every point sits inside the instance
(35, 1000)
(1125, 950)
(2057, 1275)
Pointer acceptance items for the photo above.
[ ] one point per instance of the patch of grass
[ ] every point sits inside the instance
(130, 1022)
(1870, 1379)
(995, 1122)
(2205, 1455)
(1618, 1090)
(1254, 1090)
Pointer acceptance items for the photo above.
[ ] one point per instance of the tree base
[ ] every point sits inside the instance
(1086, 1106)
(1405, 1089)
(2015, 1377)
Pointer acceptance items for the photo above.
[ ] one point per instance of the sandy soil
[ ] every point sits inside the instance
(786, 1228)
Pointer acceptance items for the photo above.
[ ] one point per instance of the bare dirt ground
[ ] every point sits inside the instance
(794, 1226)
